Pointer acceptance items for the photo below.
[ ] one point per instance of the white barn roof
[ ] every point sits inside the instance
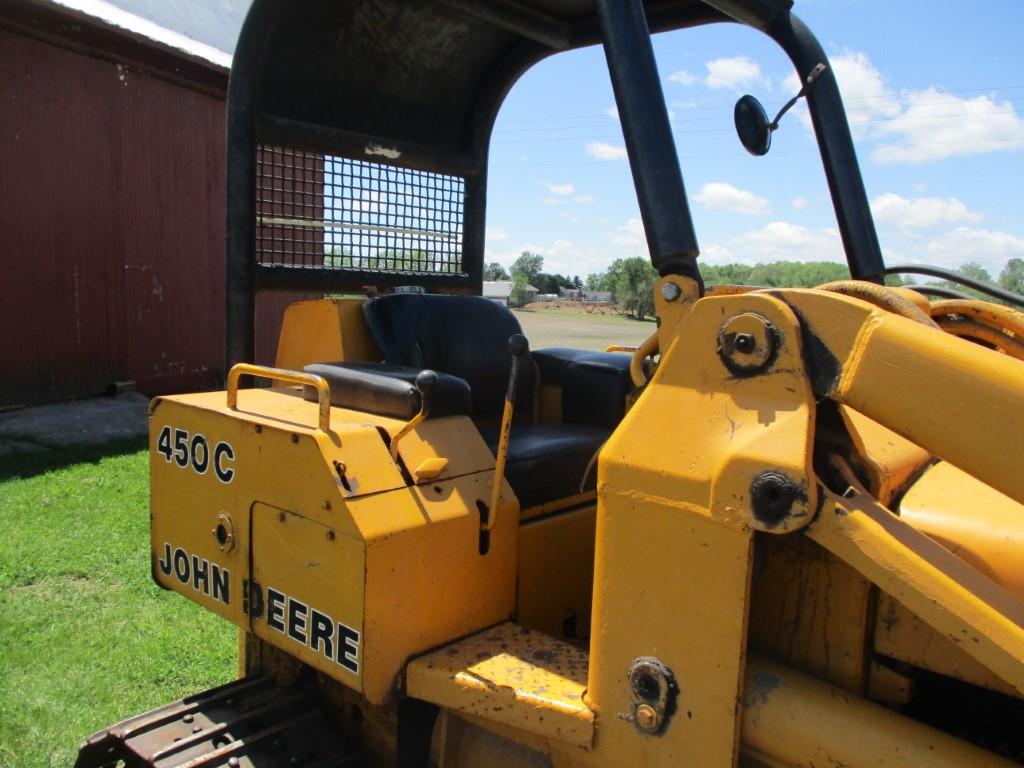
(204, 29)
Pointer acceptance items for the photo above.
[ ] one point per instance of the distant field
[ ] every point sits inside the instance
(582, 331)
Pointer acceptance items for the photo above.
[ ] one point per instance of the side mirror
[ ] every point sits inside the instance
(752, 123)
(752, 126)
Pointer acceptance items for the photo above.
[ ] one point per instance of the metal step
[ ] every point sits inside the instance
(250, 723)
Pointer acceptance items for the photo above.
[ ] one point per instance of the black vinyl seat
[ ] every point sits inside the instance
(467, 337)
(548, 461)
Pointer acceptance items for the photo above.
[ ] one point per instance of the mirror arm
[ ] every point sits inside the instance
(815, 73)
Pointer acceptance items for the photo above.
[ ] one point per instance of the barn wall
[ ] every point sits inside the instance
(112, 195)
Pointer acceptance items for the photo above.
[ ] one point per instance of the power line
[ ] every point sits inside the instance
(681, 124)
(729, 104)
(715, 156)
(684, 131)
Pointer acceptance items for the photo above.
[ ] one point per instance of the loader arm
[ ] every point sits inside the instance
(746, 382)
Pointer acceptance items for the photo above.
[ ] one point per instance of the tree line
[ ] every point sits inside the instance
(631, 281)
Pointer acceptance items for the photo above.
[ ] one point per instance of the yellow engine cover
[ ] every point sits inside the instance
(316, 542)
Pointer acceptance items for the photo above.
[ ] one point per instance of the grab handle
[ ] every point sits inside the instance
(323, 390)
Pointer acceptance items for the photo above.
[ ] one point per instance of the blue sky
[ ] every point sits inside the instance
(934, 91)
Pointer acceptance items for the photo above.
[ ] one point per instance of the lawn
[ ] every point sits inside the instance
(86, 638)
(575, 329)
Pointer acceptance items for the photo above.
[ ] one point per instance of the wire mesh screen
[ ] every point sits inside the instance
(322, 211)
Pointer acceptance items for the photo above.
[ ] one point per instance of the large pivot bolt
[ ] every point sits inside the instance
(652, 688)
(774, 498)
(747, 344)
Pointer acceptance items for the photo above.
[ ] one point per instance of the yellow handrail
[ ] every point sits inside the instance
(323, 390)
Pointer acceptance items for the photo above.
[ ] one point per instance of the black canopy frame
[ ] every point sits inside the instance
(416, 85)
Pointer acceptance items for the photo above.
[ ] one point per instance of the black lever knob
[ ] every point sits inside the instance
(426, 383)
(518, 345)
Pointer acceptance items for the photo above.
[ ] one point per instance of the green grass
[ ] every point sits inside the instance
(582, 331)
(86, 637)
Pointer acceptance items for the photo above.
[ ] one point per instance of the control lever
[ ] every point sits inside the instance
(426, 383)
(517, 347)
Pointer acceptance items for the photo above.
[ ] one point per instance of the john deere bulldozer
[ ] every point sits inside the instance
(787, 530)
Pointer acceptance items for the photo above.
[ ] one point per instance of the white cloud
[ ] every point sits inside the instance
(688, 104)
(934, 125)
(799, 202)
(715, 253)
(866, 95)
(721, 196)
(629, 235)
(552, 201)
(990, 248)
(495, 234)
(367, 202)
(561, 255)
(565, 257)
(921, 212)
(603, 151)
(583, 199)
(560, 189)
(918, 126)
(612, 112)
(683, 77)
(735, 73)
(781, 240)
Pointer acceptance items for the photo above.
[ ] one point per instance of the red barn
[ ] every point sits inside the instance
(112, 198)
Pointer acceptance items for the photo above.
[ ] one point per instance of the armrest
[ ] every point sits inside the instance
(389, 390)
(594, 384)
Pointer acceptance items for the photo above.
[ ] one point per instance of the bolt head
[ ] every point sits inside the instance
(747, 344)
(647, 717)
(774, 498)
(670, 291)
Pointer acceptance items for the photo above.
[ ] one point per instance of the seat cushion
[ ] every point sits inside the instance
(594, 384)
(464, 336)
(389, 390)
(547, 461)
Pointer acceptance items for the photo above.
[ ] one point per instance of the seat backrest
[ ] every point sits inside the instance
(465, 336)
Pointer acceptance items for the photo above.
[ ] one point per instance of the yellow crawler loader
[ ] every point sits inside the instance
(787, 530)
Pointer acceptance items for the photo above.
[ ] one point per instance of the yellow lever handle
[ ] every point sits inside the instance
(323, 390)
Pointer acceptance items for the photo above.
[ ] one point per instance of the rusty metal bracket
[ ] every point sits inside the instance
(653, 689)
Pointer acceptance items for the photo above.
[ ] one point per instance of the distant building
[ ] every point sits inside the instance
(570, 294)
(498, 290)
(501, 290)
(598, 297)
